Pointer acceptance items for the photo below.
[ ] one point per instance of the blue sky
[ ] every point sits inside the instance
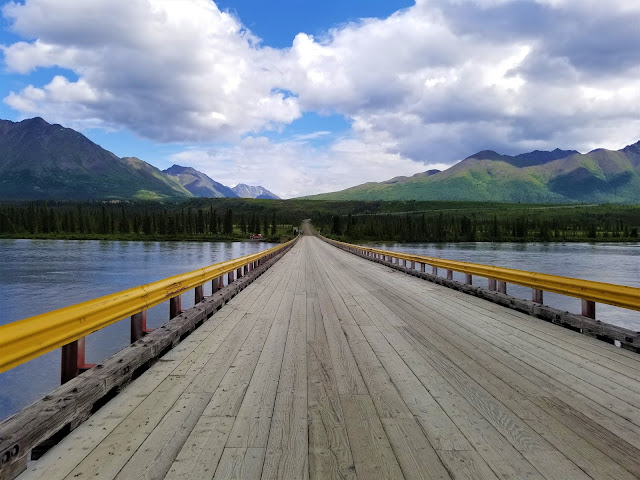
(307, 97)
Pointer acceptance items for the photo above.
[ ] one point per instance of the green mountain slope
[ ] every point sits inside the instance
(43, 161)
(600, 176)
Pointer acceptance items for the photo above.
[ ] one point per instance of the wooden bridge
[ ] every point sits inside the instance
(332, 366)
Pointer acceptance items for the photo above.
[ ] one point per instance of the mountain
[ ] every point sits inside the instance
(39, 160)
(199, 184)
(251, 191)
(600, 176)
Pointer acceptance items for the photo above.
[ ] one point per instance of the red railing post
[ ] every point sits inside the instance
(588, 309)
(198, 294)
(537, 296)
(175, 306)
(139, 326)
(73, 360)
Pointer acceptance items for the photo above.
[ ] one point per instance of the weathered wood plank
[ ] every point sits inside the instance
(372, 453)
(287, 448)
(240, 464)
(198, 459)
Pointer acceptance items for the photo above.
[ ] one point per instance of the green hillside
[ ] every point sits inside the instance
(601, 176)
(40, 161)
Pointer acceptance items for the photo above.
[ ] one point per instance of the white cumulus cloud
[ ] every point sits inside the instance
(428, 85)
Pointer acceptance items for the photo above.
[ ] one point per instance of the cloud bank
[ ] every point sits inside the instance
(428, 85)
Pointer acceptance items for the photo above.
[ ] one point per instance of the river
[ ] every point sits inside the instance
(617, 263)
(37, 276)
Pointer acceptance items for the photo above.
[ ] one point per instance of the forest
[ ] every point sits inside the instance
(237, 219)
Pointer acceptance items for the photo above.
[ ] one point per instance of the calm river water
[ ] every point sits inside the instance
(41, 275)
(37, 276)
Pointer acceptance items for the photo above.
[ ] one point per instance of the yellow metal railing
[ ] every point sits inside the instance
(588, 291)
(27, 339)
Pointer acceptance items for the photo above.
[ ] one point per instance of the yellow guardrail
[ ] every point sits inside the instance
(27, 339)
(611, 294)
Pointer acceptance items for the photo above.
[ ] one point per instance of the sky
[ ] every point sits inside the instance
(307, 97)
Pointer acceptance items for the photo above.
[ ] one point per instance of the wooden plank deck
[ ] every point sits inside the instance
(330, 366)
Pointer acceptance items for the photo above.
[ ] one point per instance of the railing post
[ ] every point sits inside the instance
(198, 294)
(492, 284)
(502, 287)
(588, 309)
(468, 279)
(423, 267)
(449, 274)
(73, 360)
(413, 265)
(139, 326)
(69, 363)
(239, 273)
(230, 278)
(434, 271)
(175, 306)
(537, 296)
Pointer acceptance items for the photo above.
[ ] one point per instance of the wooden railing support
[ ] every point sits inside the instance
(229, 278)
(175, 306)
(73, 360)
(468, 279)
(413, 265)
(198, 294)
(139, 326)
(434, 271)
(502, 287)
(449, 274)
(492, 284)
(588, 309)
(537, 296)
(239, 273)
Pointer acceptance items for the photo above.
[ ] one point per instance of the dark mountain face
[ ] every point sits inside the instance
(540, 157)
(199, 184)
(43, 161)
(537, 157)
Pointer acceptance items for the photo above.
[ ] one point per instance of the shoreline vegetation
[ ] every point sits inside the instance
(233, 219)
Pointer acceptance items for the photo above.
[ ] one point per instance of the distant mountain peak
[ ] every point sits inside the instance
(198, 183)
(485, 155)
(254, 191)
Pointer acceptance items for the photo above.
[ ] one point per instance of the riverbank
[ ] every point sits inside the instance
(130, 237)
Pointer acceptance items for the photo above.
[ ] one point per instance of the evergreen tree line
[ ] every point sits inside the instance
(39, 218)
(465, 227)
